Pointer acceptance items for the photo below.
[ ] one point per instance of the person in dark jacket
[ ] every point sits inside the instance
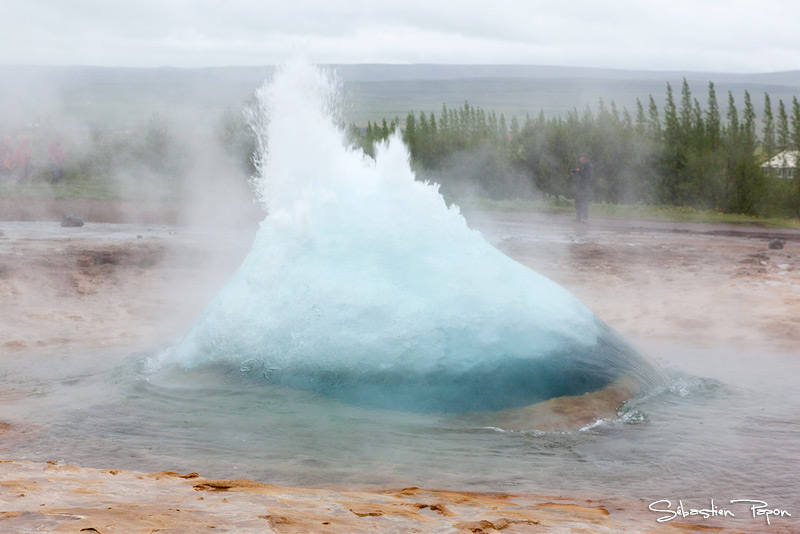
(583, 188)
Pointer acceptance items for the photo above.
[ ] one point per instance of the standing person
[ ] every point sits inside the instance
(583, 188)
(56, 155)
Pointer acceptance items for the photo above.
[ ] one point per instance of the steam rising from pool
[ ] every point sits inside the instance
(364, 286)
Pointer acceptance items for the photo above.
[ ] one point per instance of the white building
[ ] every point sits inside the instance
(783, 165)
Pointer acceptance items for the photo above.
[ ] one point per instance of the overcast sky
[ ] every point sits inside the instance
(700, 35)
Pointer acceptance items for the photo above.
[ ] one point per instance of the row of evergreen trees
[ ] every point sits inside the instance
(685, 154)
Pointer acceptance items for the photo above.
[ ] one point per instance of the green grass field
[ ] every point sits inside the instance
(106, 191)
(87, 189)
(630, 211)
(58, 191)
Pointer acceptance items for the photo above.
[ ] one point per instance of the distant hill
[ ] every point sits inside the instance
(389, 90)
(120, 97)
(386, 72)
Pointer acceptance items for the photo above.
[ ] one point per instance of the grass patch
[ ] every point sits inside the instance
(61, 190)
(41, 189)
(630, 211)
(106, 190)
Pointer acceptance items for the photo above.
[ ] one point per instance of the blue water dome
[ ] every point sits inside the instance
(362, 285)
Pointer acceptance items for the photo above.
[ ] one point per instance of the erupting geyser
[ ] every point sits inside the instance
(362, 285)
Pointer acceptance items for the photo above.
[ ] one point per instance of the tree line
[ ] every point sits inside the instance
(684, 153)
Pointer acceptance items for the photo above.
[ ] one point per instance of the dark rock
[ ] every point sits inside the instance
(776, 244)
(70, 220)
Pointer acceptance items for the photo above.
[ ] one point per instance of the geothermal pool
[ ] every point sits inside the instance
(726, 430)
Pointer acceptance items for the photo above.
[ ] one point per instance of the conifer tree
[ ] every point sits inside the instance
(769, 128)
(444, 121)
(713, 121)
(654, 124)
(409, 136)
(745, 177)
(674, 158)
(733, 117)
(493, 128)
(698, 128)
(795, 124)
(732, 137)
(749, 122)
(685, 120)
(641, 121)
(671, 123)
(782, 128)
